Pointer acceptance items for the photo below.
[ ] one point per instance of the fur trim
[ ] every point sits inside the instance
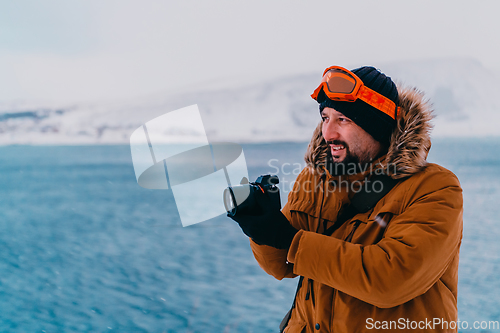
(317, 151)
(410, 141)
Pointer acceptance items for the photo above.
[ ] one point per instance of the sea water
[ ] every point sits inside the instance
(85, 248)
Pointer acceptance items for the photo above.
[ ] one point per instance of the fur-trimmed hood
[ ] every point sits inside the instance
(410, 141)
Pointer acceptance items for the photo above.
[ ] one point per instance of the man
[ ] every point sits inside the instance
(392, 268)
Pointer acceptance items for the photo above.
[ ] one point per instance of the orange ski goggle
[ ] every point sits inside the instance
(340, 84)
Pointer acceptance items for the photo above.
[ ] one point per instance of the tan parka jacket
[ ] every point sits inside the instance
(391, 269)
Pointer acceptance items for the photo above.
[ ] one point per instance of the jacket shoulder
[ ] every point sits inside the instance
(436, 175)
(434, 183)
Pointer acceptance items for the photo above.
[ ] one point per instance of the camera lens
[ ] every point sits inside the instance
(239, 199)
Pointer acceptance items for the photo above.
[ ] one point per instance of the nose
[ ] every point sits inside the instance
(330, 131)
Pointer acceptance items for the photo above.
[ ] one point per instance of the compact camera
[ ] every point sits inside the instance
(240, 199)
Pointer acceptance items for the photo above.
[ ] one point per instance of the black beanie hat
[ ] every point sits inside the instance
(376, 123)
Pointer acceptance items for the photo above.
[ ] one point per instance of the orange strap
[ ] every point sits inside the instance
(379, 102)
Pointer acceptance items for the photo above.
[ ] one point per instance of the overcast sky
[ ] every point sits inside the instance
(90, 50)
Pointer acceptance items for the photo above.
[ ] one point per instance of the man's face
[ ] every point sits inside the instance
(348, 142)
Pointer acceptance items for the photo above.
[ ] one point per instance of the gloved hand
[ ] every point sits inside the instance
(270, 227)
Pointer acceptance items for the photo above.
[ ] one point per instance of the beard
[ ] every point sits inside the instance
(352, 163)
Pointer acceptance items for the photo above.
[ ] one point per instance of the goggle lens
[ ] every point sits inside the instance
(339, 81)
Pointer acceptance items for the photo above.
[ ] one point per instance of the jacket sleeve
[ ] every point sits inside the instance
(416, 249)
(274, 261)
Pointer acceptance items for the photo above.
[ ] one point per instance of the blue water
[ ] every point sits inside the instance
(84, 248)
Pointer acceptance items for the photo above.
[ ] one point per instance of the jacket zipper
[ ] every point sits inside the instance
(310, 290)
(310, 282)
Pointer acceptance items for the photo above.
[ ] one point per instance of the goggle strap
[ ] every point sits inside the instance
(378, 101)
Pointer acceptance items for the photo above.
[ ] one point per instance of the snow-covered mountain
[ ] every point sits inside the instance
(462, 90)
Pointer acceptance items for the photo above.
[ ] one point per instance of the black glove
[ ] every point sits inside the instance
(270, 227)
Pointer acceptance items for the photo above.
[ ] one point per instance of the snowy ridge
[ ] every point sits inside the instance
(462, 90)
